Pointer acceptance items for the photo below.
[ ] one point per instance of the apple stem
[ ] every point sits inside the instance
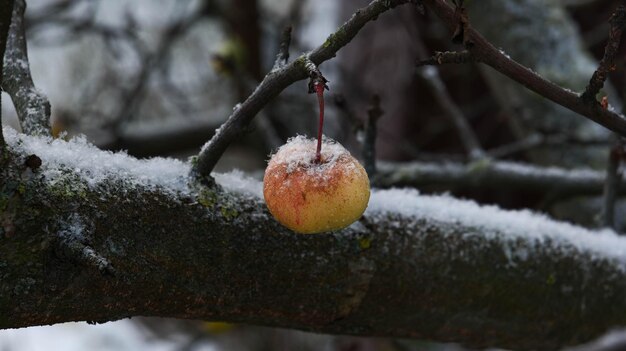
(319, 89)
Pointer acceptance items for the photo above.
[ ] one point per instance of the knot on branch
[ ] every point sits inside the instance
(72, 246)
(315, 77)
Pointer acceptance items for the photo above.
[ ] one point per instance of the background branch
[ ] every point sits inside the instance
(488, 174)
(486, 53)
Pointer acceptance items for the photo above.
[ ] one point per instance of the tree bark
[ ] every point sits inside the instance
(72, 250)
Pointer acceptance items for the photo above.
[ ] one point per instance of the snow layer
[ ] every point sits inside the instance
(299, 153)
(123, 335)
(496, 223)
(236, 181)
(95, 166)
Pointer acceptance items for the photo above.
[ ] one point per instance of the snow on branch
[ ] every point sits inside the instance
(33, 107)
(427, 267)
(485, 173)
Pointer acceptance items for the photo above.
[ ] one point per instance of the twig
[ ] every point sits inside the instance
(152, 62)
(617, 23)
(369, 143)
(6, 10)
(32, 106)
(71, 246)
(283, 53)
(440, 58)
(611, 184)
(430, 75)
(276, 81)
(485, 52)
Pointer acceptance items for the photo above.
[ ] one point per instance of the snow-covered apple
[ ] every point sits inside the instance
(311, 196)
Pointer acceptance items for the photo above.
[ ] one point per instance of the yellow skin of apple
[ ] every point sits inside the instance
(313, 198)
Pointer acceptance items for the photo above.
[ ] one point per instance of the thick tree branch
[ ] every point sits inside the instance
(33, 108)
(486, 53)
(495, 175)
(277, 80)
(415, 266)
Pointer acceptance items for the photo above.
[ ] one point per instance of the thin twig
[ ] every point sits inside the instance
(283, 53)
(617, 23)
(430, 75)
(32, 106)
(276, 81)
(486, 53)
(611, 184)
(369, 143)
(152, 62)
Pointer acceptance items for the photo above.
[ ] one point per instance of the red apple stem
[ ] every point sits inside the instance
(319, 89)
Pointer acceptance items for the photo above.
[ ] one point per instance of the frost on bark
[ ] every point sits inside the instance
(90, 235)
(541, 35)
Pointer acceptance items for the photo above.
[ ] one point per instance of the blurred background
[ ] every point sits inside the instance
(157, 77)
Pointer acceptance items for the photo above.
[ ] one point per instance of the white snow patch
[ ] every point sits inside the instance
(237, 181)
(491, 221)
(95, 166)
(299, 153)
(123, 335)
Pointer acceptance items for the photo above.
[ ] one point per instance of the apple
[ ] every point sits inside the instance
(309, 190)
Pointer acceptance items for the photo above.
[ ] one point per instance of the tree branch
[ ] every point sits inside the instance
(33, 108)
(486, 53)
(277, 80)
(617, 22)
(415, 266)
(495, 175)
